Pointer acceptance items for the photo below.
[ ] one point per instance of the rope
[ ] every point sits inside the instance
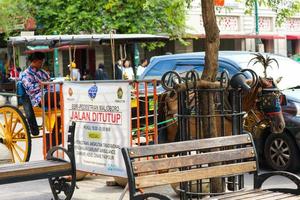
(112, 47)
(74, 51)
(174, 120)
(70, 55)
(14, 56)
(123, 51)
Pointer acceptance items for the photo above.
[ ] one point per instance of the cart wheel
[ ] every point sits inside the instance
(14, 133)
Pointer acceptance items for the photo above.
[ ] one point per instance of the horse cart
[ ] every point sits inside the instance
(20, 122)
(18, 125)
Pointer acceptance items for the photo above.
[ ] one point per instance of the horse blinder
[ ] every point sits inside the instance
(283, 100)
(270, 103)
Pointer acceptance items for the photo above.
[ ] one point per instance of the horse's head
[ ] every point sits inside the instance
(261, 94)
(169, 102)
(269, 101)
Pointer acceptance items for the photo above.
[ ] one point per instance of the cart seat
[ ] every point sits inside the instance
(24, 100)
(20, 92)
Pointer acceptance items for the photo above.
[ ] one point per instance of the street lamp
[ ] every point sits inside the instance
(56, 64)
(258, 43)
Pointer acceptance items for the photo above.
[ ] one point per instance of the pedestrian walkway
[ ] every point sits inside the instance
(95, 188)
(91, 188)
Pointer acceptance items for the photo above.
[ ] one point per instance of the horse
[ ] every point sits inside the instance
(261, 104)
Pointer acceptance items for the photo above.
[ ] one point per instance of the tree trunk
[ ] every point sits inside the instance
(212, 42)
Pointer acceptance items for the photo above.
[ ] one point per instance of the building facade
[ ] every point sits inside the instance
(238, 30)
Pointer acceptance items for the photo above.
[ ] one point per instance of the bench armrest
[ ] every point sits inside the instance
(148, 195)
(261, 178)
(56, 148)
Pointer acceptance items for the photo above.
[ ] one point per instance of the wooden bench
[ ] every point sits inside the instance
(54, 168)
(8, 87)
(201, 159)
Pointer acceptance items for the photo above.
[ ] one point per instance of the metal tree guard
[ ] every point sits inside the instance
(228, 113)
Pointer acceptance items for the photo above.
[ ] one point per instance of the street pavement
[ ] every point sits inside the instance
(94, 186)
(91, 188)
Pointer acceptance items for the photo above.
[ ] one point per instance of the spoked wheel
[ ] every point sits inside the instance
(14, 133)
(281, 152)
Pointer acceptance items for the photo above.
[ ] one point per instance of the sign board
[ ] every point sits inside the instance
(102, 115)
(27, 33)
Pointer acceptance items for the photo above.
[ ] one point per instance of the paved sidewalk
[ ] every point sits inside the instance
(91, 188)
(95, 188)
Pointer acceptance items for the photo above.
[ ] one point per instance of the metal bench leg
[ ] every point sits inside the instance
(60, 184)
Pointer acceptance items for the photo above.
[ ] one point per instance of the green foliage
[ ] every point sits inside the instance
(124, 16)
(264, 61)
(66, 17)
(283, 8)
(13, 14)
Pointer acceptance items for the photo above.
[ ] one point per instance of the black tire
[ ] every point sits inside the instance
(281, 152)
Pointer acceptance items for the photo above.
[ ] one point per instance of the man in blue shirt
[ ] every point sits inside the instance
(33, 76)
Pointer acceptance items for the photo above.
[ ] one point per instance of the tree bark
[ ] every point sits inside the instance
(212, 42)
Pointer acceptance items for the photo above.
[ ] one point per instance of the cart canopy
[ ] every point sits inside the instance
(95, 39)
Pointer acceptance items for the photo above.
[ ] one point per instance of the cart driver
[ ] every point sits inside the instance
(33, 76)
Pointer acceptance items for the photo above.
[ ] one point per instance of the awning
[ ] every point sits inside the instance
(45, 49)
(244, 36)
(261, 36)
(66, 47)
(94, 39)
(293, 37)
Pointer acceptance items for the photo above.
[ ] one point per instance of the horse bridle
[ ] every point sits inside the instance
(270, 100)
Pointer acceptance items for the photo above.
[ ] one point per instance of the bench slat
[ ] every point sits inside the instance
(253, 195)
(30, 168)
(282, 196)
(272, 195)
(25, 165)
(10, 86)
(232, 194)
(288, 198)
(143, 151)
(190, 160)
(195, 174)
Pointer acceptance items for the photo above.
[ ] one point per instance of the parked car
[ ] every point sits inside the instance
(280, 151)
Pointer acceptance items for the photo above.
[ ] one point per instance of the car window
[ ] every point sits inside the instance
(159, 69)
(228, 67)
(183, 68)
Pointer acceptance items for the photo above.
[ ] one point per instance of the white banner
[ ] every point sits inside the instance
(102, 115)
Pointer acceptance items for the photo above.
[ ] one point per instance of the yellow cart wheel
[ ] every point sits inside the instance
(14, 133)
